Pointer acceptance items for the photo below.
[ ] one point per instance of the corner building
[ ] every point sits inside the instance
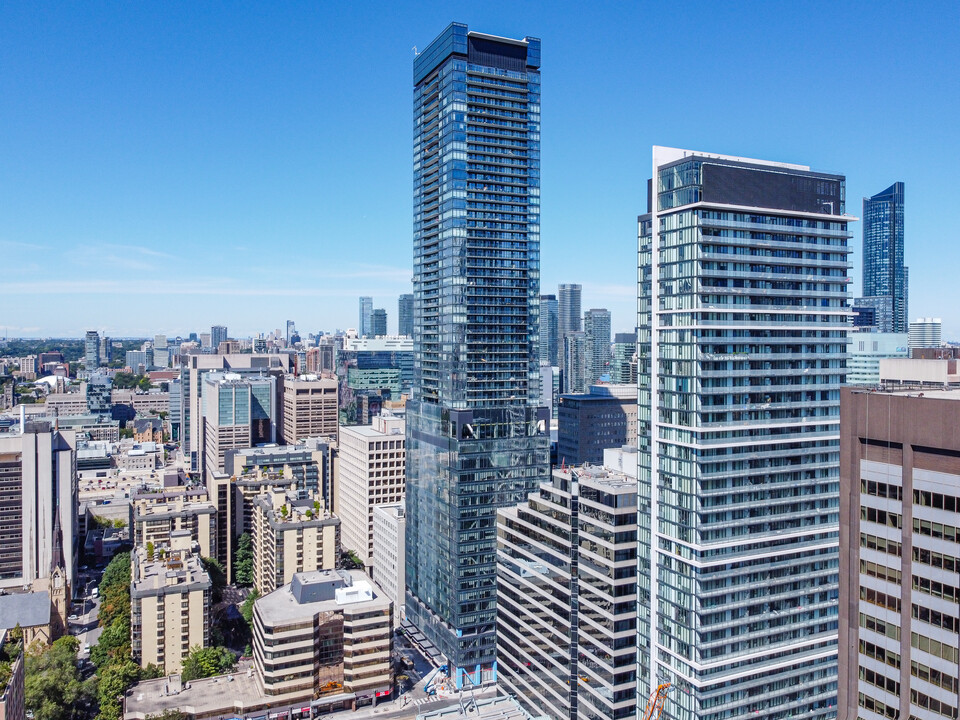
(476, 436)
(742, 344)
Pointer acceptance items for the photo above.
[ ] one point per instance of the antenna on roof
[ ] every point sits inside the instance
(415, 51)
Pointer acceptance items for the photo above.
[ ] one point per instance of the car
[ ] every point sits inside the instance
(86, 647)
(73, 618)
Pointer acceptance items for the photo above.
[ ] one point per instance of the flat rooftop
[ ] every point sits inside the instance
(281, 606)
(937, 394)
(154, 577)
(234, 693)
(500, 707)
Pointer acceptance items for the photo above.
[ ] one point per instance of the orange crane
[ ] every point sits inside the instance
(655, 702)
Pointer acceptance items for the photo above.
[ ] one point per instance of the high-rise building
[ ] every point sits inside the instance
(291, 331)
(588, 424)
(99, 395)
(91, 350)
(476, 436)
(623, 363)
(389, 554)
(372, 472)
(106, 350)
(218, 334)
(567, 596)
(239, 412)
(378, 323)
(574, 362)
(38, 494)
(549, 330)
(309, 408)
(405, 315)
(742, 321)
(568, 309)
(596, 327)
(925, 333)
(366, 316)
(885, 279)
(899, 520)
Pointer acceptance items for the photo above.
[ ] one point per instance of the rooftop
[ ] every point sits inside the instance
(495, 708)
(175, 573)
(26, 609)
(318, 591)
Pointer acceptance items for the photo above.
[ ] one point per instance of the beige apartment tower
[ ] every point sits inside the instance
(309, 407)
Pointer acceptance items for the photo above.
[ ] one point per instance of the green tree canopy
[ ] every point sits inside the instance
(247, 608)
(114, 680)
(243, 561)
(217, 576)
(52, 684)
(206, 662)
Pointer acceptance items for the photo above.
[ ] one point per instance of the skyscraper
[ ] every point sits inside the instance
(885, 281)
(366, 315)
(623, 364)
(405, 315)
(476, 436)
(91, 350)
(596, 327)
(218, 334)
(378, 323)
(742, 321)
(549, 330)
(291, 330)
(925, 333)
(568, 319)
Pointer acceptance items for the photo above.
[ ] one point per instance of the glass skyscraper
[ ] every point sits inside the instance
(549, 330)
(405, 315)
(885, 279)
(476, 434)
(742, 322)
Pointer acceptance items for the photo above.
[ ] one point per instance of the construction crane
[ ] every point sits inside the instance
(655, 702)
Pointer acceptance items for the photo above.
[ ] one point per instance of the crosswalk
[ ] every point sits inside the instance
(425, 700)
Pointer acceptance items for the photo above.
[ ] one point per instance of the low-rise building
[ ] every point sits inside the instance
(12, 696)
(325, 634)
(291, 534)
(866, 349)
(169, 605)
(148, 430)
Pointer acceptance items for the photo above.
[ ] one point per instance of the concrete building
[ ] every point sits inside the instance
(372, 472)
(743, 315)
(925, 333)
(596, 328)
(324, 635)
(900, 530)
(169, 605)
(66, 404)
(310, 465)
(158, 522)
(309, 408)
(914, 373)
(567, 596)
(388, 554)
(38, 497)
(866, 349)
(239, 411)
(290, 535)
(588, 424)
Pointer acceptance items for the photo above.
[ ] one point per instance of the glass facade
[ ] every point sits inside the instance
(476, 436)
(405, 315)
(742, 321)
(885, 282)
(596, 328)
(549, 330)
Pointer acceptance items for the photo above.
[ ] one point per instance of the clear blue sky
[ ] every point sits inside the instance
(168, 166)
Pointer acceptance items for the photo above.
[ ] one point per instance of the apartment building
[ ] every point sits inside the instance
(309, 407)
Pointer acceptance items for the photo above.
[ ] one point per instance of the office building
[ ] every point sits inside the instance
(567, 596)
(309, 408)
(925, 333)
(366, 317)
(549, 330)
(476, 436)
(596, 328)
(568, 309)
(574, 365)
(38, 496)
(99, 395)
(742, 322)
(291, 331)
(137, 361)
(239, 412)
(623, 362)
(205, 341)
(378, 323)
(372, 472)
(899, 520)
(218, 334)
(405, 315)
(349, 627)
(91, 350)
(291, 534)
(388, 556)
(885, 279)
(169, 605)
(550, 390)
(589, 423)
(866, 349)
(371, 371)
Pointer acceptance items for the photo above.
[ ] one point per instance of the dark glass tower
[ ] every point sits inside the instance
(405, 315)
(885, 286)
(476, 434)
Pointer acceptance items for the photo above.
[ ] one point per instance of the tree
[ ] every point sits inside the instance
(52, 684)
(247, 608)
(218, 577)
(168, 714)
(114, 680)
(243, 561)
(115, 590)
(206, 662)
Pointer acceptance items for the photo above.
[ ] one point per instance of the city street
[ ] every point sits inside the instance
(86, 627)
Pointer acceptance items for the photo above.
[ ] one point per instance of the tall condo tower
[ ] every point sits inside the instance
(885, 279)
(91, 350)
(568, 320)
(549, 329)
(366, 316)
(476, 434)
(742, 320)
(405, 315)
(596, 327)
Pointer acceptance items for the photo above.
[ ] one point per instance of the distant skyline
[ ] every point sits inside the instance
(170, 167)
